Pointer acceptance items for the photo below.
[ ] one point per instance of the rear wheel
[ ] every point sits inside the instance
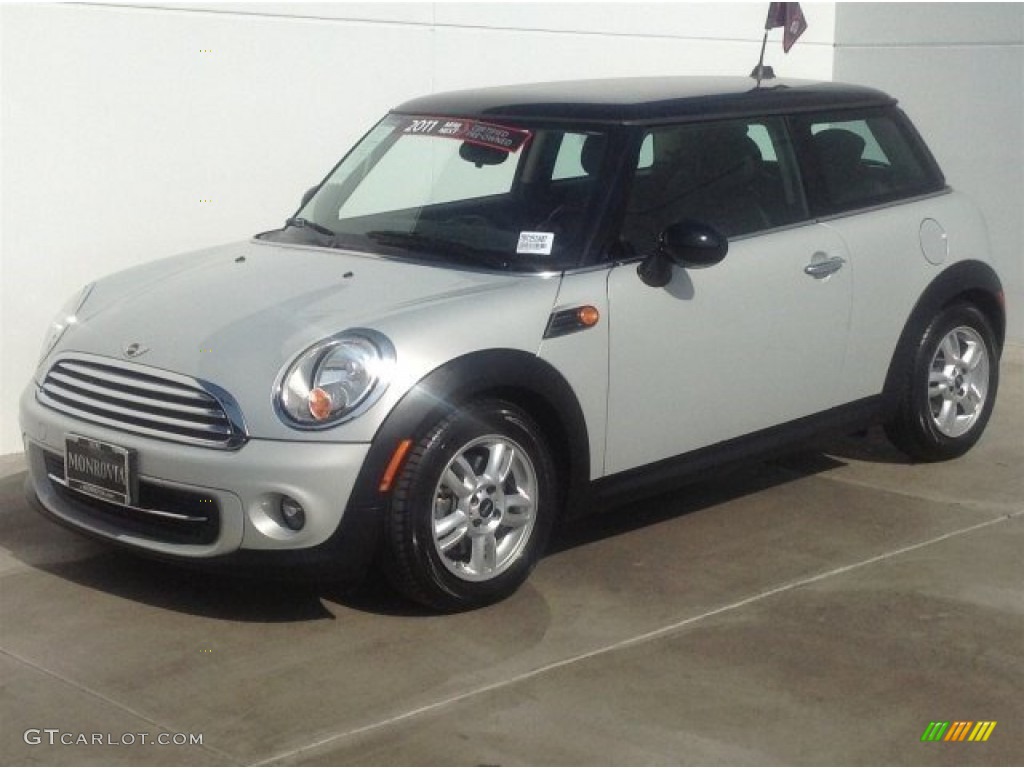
(949, 387)
(472, 508)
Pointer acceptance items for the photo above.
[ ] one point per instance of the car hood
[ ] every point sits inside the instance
(236, 314)
(242, 297)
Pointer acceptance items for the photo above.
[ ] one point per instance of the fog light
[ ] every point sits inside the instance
(292, 513)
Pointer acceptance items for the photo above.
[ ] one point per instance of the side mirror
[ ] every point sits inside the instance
(307, 196)
(687, 244)
(693, 244)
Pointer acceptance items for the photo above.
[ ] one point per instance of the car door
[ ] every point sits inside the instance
(871, 180)
(754, 341)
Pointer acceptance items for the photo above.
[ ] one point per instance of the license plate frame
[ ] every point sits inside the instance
(100, 469)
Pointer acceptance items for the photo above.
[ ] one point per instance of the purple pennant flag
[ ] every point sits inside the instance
(790, 18)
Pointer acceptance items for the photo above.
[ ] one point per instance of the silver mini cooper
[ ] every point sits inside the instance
(508, 306)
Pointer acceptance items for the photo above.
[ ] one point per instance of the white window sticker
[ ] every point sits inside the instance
(536, 242)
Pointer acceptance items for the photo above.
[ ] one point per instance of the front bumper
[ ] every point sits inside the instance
(244, 486)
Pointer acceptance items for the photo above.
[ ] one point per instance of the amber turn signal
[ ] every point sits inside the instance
(319, 404)
(588, 315)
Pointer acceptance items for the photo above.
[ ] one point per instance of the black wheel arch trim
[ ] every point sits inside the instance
(509, 374)
(971, 280)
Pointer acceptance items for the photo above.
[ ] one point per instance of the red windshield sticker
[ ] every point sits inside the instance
(485, 134)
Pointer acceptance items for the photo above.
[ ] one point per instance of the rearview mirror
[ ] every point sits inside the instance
(481, 155)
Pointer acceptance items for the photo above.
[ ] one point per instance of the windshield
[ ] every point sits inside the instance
(459, 191)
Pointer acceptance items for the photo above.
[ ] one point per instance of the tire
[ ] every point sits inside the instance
(948, 388)
(472, 508)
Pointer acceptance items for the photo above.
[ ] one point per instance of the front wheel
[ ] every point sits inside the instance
(472, 508)
(949, 387)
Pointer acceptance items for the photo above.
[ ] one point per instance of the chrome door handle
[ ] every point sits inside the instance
(825, 266)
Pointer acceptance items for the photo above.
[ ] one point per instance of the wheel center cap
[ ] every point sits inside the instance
(486, 508)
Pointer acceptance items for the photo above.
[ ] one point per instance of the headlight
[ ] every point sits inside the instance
(65, 318)
(336, 379)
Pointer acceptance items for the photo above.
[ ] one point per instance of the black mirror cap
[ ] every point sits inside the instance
(691, 243)
(307, 196)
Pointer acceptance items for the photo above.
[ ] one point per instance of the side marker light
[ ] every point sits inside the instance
(394, 465)
(588, 315)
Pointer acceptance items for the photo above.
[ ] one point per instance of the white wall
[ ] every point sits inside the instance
(123, 140)
(958, 70)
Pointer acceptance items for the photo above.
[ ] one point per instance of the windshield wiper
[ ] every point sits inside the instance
(415, 241)
(307, 224)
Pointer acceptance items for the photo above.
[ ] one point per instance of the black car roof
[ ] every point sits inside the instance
(645, 99)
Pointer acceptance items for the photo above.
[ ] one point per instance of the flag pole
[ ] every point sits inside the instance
(760, 61)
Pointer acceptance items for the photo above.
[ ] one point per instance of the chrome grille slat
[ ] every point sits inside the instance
(143, 400)
(75, 388)
(197, 438)
(131, 415)
(143, 382)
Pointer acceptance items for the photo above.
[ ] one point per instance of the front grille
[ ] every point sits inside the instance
(166, 514)
(144, 400)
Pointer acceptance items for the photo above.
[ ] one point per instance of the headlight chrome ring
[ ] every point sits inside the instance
(335, 380)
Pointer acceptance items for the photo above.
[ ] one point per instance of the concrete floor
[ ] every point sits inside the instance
(817, 610)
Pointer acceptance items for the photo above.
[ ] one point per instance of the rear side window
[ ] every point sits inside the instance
(855, 161)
